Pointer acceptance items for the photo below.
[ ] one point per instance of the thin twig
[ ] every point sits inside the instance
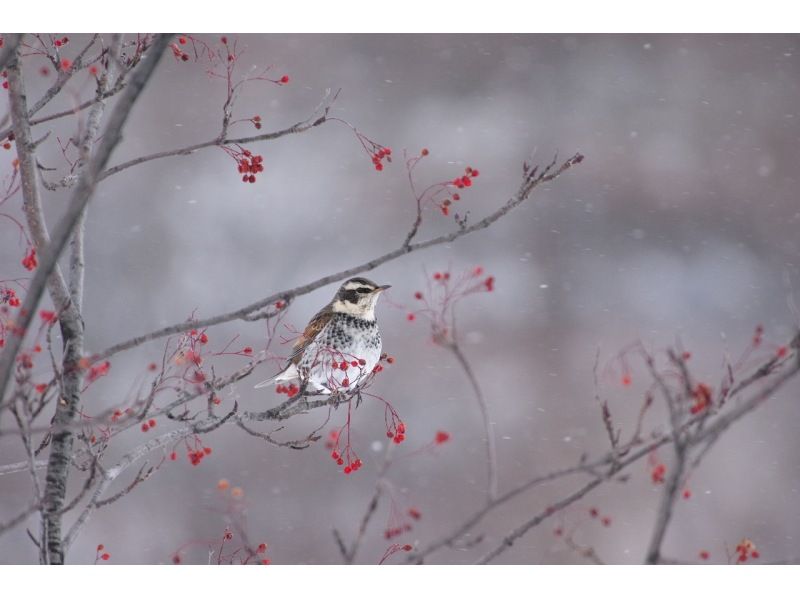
(530, 181)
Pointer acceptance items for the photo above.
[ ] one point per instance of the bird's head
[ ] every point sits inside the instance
(358, 297)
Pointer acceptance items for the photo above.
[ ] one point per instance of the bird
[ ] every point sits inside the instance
(340, 346)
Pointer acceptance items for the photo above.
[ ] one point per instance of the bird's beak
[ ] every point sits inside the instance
(382, 288)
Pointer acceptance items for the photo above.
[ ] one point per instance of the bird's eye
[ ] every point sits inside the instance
(364, 290)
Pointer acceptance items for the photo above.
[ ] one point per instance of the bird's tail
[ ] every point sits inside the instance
(286, 374)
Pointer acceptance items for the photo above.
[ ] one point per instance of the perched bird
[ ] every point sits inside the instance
(341, 345)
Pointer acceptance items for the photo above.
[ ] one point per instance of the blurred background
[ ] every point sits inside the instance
(682, 223)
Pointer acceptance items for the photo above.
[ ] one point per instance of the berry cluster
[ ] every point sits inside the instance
(9, 139)
(594, 513)
(393, 532)
(396, 431)
(197, 455)
(61, 42)
(380, 154)
(289, 390)
(98, 371)
(29, 262)
(25, 361)
(384, 357)
(352, 466)
(178, 52)
(466, 180)
(746, 550)
(249, 165)
(9, 296)
(101, 555)
(345, 458)
(47, 316)
(658, 473)
(702, 398)
(148, 425)
(201, 337)
(399, 522)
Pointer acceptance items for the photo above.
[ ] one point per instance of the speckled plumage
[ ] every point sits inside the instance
(344, 331)
(344, 338)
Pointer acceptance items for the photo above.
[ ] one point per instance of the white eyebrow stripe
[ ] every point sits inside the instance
(352, 286)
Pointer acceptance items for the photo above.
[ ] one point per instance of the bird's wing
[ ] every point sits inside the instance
(314, 327)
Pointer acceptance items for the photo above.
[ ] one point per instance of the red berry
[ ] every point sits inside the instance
(285, 79)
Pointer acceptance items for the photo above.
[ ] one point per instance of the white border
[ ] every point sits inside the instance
(399, 16)
(404, 582)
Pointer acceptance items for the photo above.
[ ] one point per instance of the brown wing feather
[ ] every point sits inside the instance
(313, 328)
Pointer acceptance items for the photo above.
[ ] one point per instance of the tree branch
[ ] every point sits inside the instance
(10, 43)
(530, 181)
(69, 317)
(80, 198)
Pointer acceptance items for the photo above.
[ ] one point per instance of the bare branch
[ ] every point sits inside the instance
(81, 196)
(529, 183)
(300, 127)
(488, 429)
(32, 508)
